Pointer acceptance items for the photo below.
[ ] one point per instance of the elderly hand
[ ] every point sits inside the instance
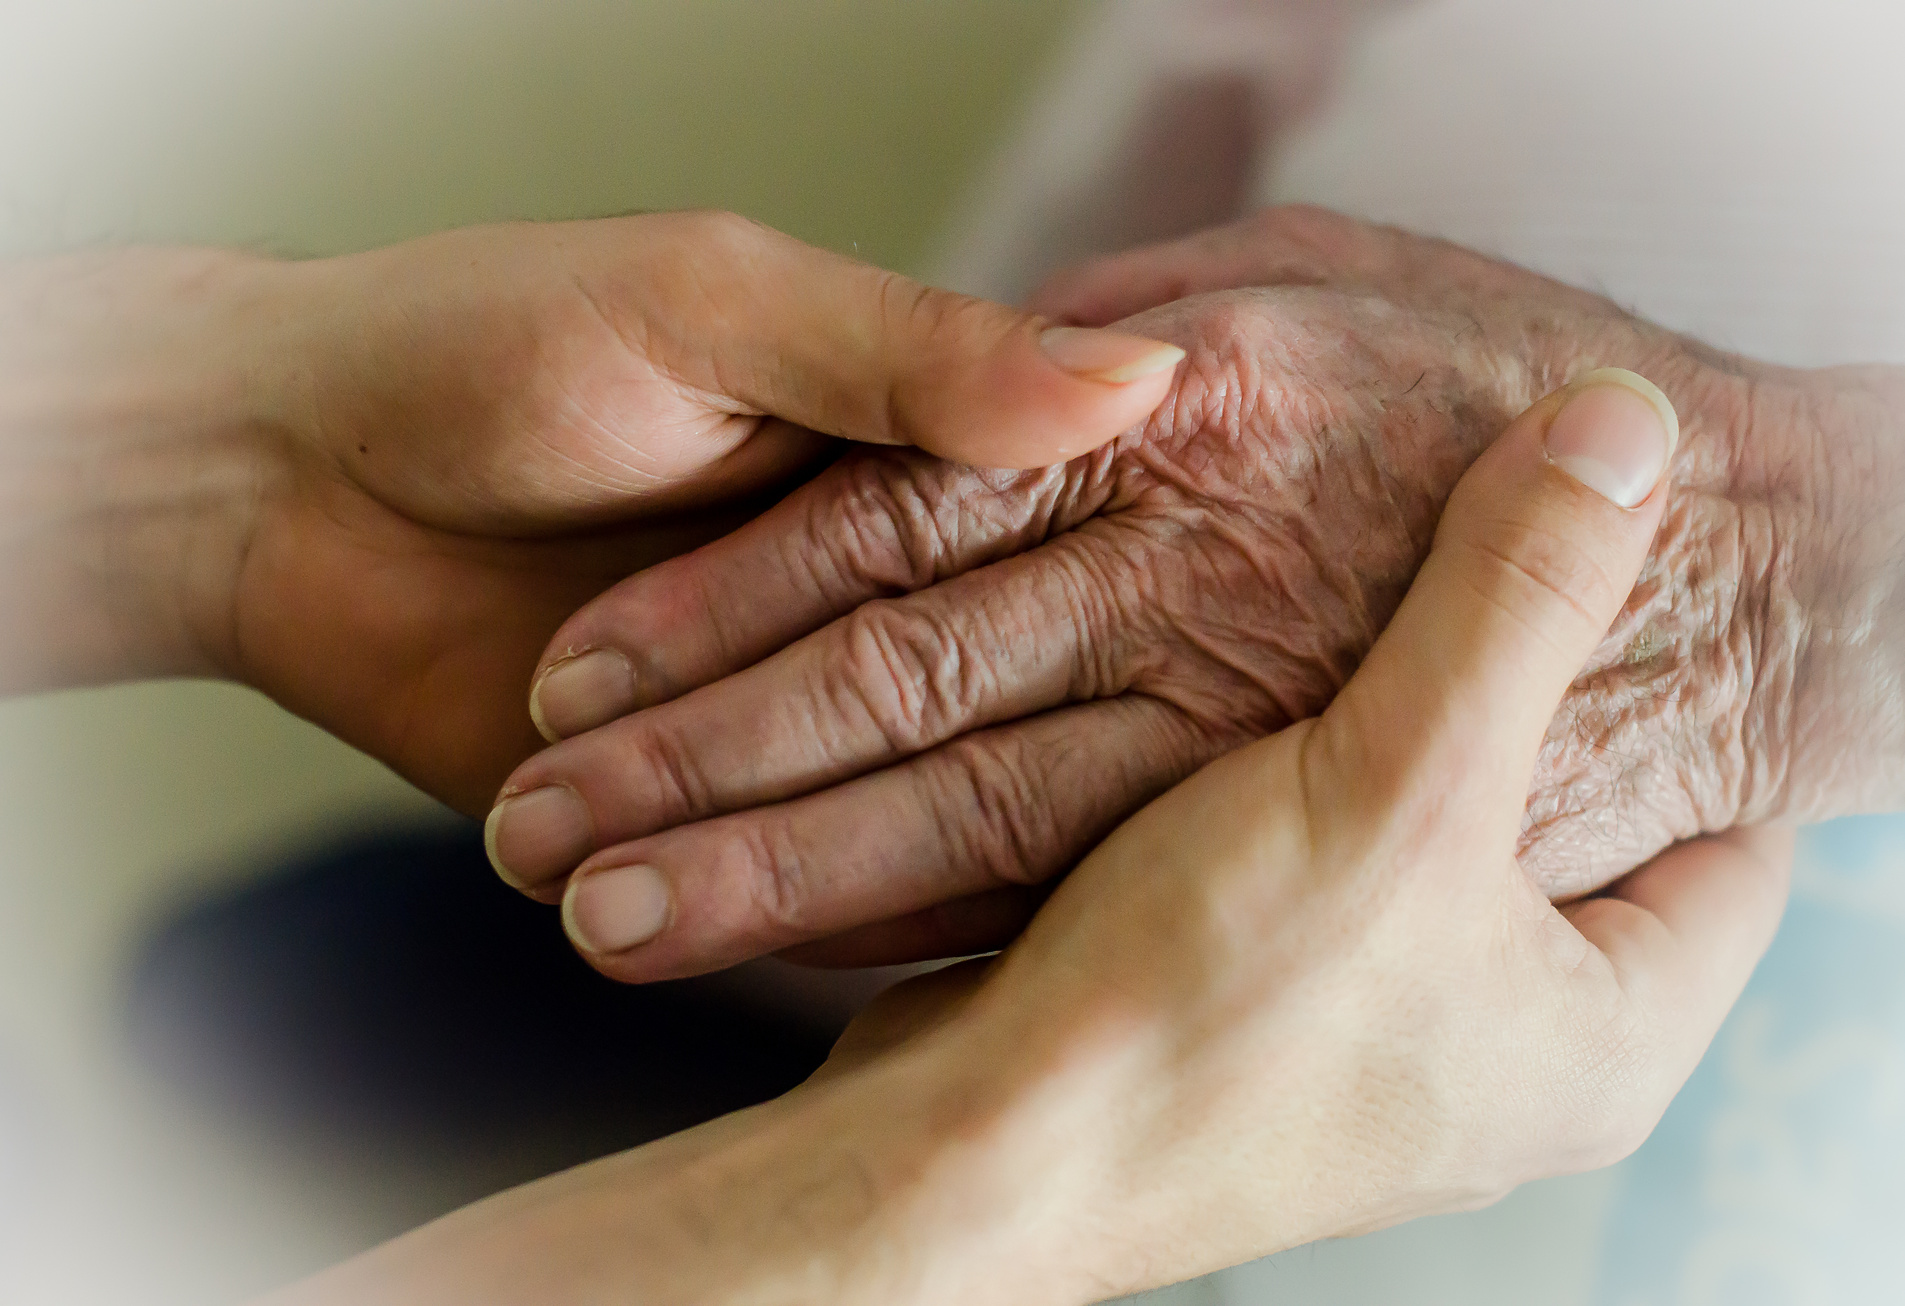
(1310, 992)
(373, 486)
(1307, 993)
(914, 693)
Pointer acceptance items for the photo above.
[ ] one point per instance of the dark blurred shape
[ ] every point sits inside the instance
(412, 1029)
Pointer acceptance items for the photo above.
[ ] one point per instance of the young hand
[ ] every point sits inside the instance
(373, 486)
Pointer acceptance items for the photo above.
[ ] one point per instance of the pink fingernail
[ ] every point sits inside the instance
(1109, 356)
(1616, 434)
(612, 911)
(535, 837)
(580, 693)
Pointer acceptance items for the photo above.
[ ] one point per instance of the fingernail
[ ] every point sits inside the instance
(539, 835)
(580, 693)
(1109, 356)
(1615, 434)
(612, 911)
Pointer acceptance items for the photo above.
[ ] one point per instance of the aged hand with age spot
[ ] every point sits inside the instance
(890, 711)
(1308, 993)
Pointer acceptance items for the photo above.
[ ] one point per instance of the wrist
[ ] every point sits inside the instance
(1749, 678)
(138, 434)
(1051, 1163)
(880, 1186)
(1778, 549)
(981, 1160)
(977, 1165)
(1844, 454)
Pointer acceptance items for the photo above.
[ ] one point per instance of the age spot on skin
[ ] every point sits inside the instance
(1645, 646)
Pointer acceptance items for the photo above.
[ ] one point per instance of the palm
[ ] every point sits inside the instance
(484, 451)
(413, 643)
(508, 386)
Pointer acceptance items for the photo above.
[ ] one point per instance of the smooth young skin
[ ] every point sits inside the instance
(1307, 993)
(916, 694)
(373, 486)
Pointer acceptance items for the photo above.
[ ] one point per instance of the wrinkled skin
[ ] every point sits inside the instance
(889, 711)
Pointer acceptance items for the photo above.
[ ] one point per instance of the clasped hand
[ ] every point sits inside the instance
(878, 722)
(1315, 987)
(1308, 992)
(1311, 991)
(373, 486)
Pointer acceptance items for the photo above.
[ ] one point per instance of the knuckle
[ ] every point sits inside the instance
(668, 763)
(905, 673)
(1226, 395)
(893, 521)
(1614, 1139)
(912, 307)
(1103, 592)
(1229, 324)
(723, 230)
(704, 259)
(929, 321)
(1625, 1138)
(1538, 576)
(995, 813)
(886, 525)
(1239, 339)
(781, 891)
(1622, 1100)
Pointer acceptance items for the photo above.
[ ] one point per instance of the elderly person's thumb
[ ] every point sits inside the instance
(850, 350)
(1536, 553)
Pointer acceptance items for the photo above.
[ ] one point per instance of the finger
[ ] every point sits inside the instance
(1003, 809)
(1287, 245)
(1535, 554)
(874, 526)
(760, 319)
(889, 680)
(1683, 933)
(1291, 245)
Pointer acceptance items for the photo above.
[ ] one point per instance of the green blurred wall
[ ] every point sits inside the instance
(321, 127)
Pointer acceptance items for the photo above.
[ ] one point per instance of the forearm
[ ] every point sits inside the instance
(911, 1181)
(134, 447)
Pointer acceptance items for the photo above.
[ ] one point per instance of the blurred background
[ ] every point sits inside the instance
(261, 1005)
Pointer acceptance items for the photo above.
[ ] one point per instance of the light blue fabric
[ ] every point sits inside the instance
(1778, 1176)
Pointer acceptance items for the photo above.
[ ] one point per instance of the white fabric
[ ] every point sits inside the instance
(1731, 168)
(1082, 175)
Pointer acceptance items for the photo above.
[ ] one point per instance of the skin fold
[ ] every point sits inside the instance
(892, 710)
